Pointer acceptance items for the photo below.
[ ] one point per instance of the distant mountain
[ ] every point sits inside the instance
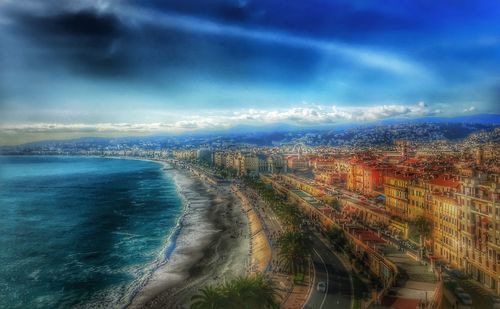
(447, 127)
(287, 127)
(475, 119)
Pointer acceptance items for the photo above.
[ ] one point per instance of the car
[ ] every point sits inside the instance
(321, 287)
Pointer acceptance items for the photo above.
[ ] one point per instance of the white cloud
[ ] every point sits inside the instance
(470, 109)
(333, 114)
(303, 115)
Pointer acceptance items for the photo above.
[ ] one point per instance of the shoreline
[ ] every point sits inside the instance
(209, 245)
(122, 293)
(170, 243)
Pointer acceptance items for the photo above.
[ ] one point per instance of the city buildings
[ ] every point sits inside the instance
(451, 188)
(479, 238)
(396, 194)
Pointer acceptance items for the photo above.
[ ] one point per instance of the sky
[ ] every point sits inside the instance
(137, 67)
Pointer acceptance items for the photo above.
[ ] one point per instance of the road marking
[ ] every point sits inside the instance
(345, 266)
(311, 288)
(326, 292)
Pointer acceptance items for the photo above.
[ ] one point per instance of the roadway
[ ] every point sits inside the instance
(327, 266)
(330, 270)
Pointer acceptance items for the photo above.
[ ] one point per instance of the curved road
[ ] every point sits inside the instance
(329, 269)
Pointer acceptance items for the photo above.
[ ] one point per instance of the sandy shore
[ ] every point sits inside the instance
(260, 248)
(212, 245)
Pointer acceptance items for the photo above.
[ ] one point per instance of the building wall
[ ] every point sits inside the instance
(396, 195)
(446, 229)
(480, 225)
(416, 201)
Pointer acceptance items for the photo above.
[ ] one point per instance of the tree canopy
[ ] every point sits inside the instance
(257, 291)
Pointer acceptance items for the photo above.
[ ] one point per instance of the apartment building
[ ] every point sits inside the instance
(396, 194)
(417, 206)
(246, 163)
(185, 154)
(297, 163)
(220, 159)
(276, 164)
(480, 226)
(446, 229)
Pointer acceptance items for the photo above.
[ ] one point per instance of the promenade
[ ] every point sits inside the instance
(260, 248)
(265, 230)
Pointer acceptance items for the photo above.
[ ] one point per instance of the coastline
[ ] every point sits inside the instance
(209, 244)
(136, 271)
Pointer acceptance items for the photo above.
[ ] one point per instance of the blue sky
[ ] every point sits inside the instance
(114, 68)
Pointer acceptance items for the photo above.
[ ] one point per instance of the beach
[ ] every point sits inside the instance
(211, 245)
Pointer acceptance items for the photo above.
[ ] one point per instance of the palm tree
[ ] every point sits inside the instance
(268, 295)
(240, 291)
(210, 297)
(258, 291)
(291, 216)
(294, 251)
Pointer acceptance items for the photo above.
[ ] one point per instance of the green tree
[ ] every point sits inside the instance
(376, 282)
(335, 205)
(361, 260)
(422, 227)
(294, 251)
(247, 292)
(337, 238)
(210, 297)
(264, 292)
(291, 216)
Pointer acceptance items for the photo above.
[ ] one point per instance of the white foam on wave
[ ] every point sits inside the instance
(123, 296)
(195, 229)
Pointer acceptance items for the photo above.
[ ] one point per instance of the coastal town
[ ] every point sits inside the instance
(250, 154)
(411, 225)
(424, 223)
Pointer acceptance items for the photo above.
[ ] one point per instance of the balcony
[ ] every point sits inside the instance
(480, 212)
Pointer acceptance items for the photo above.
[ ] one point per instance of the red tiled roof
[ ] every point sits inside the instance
(441, 181)
(411, 161)
(399, 176)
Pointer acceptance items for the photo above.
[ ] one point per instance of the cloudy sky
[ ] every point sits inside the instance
(131, 67)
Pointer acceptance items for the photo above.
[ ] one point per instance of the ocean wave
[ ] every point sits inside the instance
(123, 296)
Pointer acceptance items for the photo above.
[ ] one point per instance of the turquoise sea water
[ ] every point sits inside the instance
(81, 232)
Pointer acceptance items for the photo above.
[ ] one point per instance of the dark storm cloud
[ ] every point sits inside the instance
(87, 40)
(225, 58)
(87, 23)
(238, 11)
(106, 44)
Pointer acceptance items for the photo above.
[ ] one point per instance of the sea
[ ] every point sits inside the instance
(83, 232)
